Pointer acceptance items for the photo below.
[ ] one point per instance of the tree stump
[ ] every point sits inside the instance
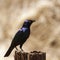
(30, 56)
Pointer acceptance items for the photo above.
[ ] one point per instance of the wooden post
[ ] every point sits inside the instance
(30, 56)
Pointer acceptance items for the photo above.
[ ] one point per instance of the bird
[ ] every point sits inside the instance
(20, 37)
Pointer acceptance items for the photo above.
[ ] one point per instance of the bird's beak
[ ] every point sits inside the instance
(33, 20)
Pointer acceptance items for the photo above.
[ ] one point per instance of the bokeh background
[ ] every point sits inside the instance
(45, 32)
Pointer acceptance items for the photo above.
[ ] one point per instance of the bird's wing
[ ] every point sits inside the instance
(17, 37)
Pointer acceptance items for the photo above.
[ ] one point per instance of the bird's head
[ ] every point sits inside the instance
(27, 23)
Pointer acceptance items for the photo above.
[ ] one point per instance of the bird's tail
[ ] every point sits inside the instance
(9, 51)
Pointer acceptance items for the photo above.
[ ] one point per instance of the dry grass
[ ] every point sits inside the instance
(45, 32)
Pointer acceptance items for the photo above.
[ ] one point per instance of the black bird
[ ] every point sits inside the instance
(20, 37)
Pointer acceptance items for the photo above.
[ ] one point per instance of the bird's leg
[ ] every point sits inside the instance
(16, 48)
(21, 48)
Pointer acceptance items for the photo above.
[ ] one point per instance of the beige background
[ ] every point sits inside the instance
(45, 32)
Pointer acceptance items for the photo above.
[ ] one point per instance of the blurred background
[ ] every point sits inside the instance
(45, 32)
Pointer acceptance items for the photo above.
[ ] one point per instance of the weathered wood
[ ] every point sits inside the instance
(30, 56)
